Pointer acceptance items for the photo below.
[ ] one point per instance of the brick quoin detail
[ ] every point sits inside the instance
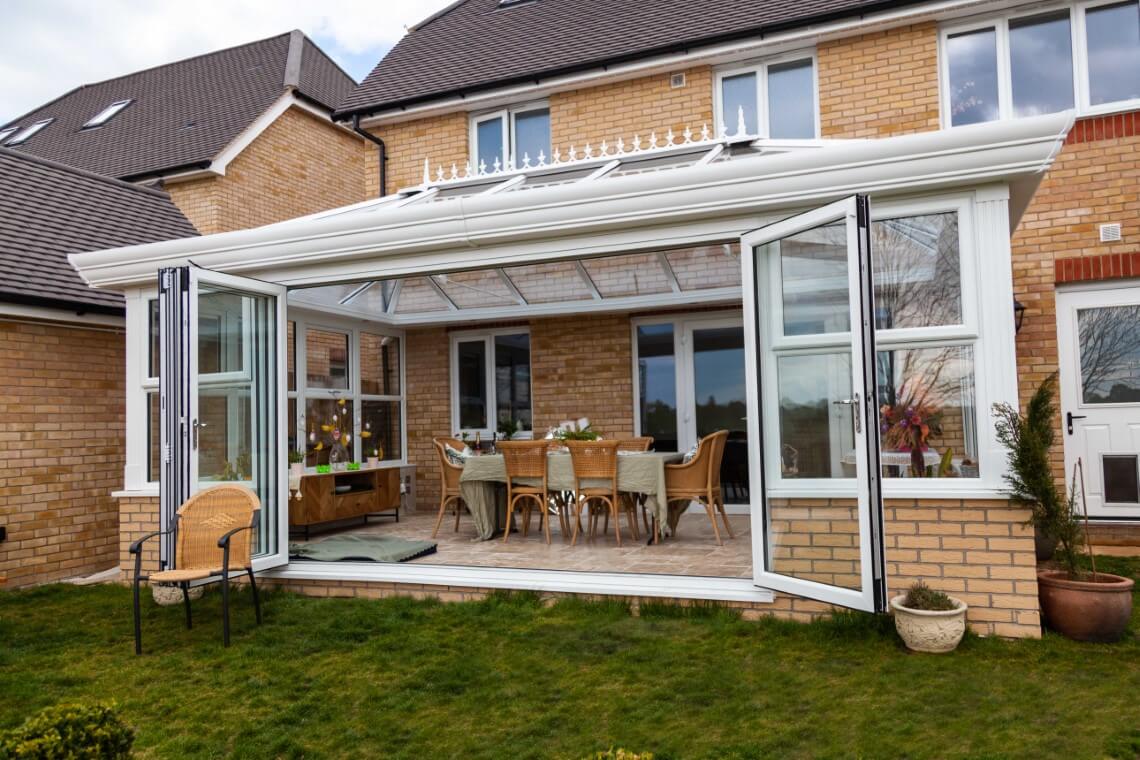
(1106, 266)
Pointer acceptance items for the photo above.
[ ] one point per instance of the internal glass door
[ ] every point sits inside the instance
(222, 386)
(810, 381)
(715, 355)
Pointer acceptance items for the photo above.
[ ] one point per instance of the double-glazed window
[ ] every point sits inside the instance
(925, 339)
(490, 381)
(510, 138)
(774, 99)
(1085, 56)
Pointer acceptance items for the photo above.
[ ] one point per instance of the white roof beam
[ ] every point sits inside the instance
(510, 285)
(670, 275)
(355, 292)
(587, 280)
(442, 293)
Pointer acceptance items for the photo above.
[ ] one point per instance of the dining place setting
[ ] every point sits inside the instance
(591, 487)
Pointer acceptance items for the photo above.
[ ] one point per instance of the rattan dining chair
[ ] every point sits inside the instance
(526, 461)
(631, 501)
(641, 443)
(449, 494)
(213, 529)
(595, 465)
(699, 480)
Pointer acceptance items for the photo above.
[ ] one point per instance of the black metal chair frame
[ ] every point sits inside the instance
(224, 579)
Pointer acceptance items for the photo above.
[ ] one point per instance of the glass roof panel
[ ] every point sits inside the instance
(656, 163)
(550, 282)
(476, 289)
(325, 295)
(631, 274)
(706, 266)
(375, 298)
(416, 295)
(549, 179)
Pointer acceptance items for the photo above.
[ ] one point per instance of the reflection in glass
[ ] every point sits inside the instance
(475, 289)
(972, 61)
(1041, 64)
(489, 144)
(1121, 479)
(532, 136)
(791, 100)
(739, 92)
(326, 359)
(291, 355)
(472, 371)
(328, 422)
(380, 429)
(153, 327)
(657, 385)
(225, 434)
(1114, 52)
(817, 434)
(631, 274)
(721, 404)
(220, 334)
(813, 280)
(512, 379)
(1109, 340)
(379, 364)
(927, 415)
(918, 280)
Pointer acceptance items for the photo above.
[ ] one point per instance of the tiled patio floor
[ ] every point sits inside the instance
(692, 552)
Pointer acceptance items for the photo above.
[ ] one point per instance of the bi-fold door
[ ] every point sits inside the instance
(222, 393)
(812, 415)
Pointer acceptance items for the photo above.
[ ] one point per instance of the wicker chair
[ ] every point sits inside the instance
(631, 501)
(644, 443)
(449, 474)
(213, 528)
(596, 461)
(526, 460)
(699, 480)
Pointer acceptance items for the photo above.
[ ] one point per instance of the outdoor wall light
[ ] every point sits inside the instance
(1018, 315)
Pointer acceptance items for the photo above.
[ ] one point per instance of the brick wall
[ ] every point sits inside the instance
(634, 107)
(61, 439)
(299, 165)
(440, 139)
(879, 84)
(138, 515)
(428, 401)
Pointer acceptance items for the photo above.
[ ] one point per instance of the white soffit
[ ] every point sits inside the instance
(567, 220)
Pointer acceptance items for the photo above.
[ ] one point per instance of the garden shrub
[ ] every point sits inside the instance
(69, 732)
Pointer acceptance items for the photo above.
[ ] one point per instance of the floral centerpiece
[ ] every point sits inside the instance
(338, 429)
(908, 424)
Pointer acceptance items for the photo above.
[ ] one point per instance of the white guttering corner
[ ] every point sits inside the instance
(507, 229)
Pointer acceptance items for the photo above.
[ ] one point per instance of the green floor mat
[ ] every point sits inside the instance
(366, 548)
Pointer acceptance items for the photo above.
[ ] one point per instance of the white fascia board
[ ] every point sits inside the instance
(73, 316)
(741, 50)
(509, 229)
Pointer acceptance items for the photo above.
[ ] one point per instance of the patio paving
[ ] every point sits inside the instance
(692, 552)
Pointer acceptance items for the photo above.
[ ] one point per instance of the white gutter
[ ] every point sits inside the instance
(563, 221)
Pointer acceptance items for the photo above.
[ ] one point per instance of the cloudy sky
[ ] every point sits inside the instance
(50, 46)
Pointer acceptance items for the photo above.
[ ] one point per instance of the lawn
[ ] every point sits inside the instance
(509, 677)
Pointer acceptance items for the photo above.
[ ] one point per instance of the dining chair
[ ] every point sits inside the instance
(631, 501)
(213, 535)
(525, 462)
(699, 480)
(641, 443)
(595, 483)
(449, 475)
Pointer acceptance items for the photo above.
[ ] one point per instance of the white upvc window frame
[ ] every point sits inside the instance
(1000, 24)
(511, 159)
(760, 69)
(491, 400)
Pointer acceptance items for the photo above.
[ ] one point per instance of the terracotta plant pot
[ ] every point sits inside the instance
(935, 631)
(1043, 546)
(1086, 610)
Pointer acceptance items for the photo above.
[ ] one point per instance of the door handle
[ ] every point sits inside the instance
(856, 410)
(1069, 417)
(195, 426)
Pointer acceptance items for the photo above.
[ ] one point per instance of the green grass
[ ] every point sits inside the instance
(509, 677)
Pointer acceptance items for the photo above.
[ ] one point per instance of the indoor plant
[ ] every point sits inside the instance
(929, 620)
(296, 462)
(508, 427)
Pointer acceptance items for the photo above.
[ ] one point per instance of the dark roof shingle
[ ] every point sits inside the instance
(476, 44)
(48, 210)
(184, 113)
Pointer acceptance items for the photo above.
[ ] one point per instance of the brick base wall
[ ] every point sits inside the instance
(138, 516)
(61, 447)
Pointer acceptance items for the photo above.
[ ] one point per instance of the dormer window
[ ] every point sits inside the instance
(27, 132)
(107, 114)
(515, 136)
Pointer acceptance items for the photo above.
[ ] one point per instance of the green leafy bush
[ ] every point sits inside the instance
(619, 754)
(922, 597)
(70, 732)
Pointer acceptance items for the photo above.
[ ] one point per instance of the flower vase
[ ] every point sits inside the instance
(338, 456)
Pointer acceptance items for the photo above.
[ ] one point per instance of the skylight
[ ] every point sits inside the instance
(6, 133)
(24, 134)
(107, 114)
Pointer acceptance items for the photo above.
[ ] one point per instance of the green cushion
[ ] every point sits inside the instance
(361, 548)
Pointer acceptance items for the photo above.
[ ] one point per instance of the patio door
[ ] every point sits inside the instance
(222, 392)
(812, 418)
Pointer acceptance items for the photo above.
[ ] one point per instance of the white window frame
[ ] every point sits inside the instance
(510, 158)
(760, 69)
(492, 405)
(1000, 25)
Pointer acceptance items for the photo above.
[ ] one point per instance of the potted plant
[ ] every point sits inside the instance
(929, 620)
(375, 455)
(296, 462)
(586, 433)
(1028, 440)
(508, 427)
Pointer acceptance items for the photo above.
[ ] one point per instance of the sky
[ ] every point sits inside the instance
(47, 47)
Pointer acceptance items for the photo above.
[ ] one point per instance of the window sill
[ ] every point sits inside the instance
(136, 493)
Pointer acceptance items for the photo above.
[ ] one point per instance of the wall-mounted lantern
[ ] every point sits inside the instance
(1018, 315)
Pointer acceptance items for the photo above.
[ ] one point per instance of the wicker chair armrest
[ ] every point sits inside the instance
(224, 541)
(136, 546)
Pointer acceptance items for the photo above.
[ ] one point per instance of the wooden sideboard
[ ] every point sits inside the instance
(345, 495)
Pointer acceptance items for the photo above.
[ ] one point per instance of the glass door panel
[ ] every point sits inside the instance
(810, 389)
(720, 401)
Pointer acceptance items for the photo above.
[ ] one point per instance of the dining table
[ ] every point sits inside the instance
(638, 472)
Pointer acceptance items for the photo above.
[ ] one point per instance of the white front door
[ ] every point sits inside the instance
(1098, 340)
(817, 521)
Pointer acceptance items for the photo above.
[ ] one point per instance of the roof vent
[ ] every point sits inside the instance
(677, 80)
(1110, 233)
